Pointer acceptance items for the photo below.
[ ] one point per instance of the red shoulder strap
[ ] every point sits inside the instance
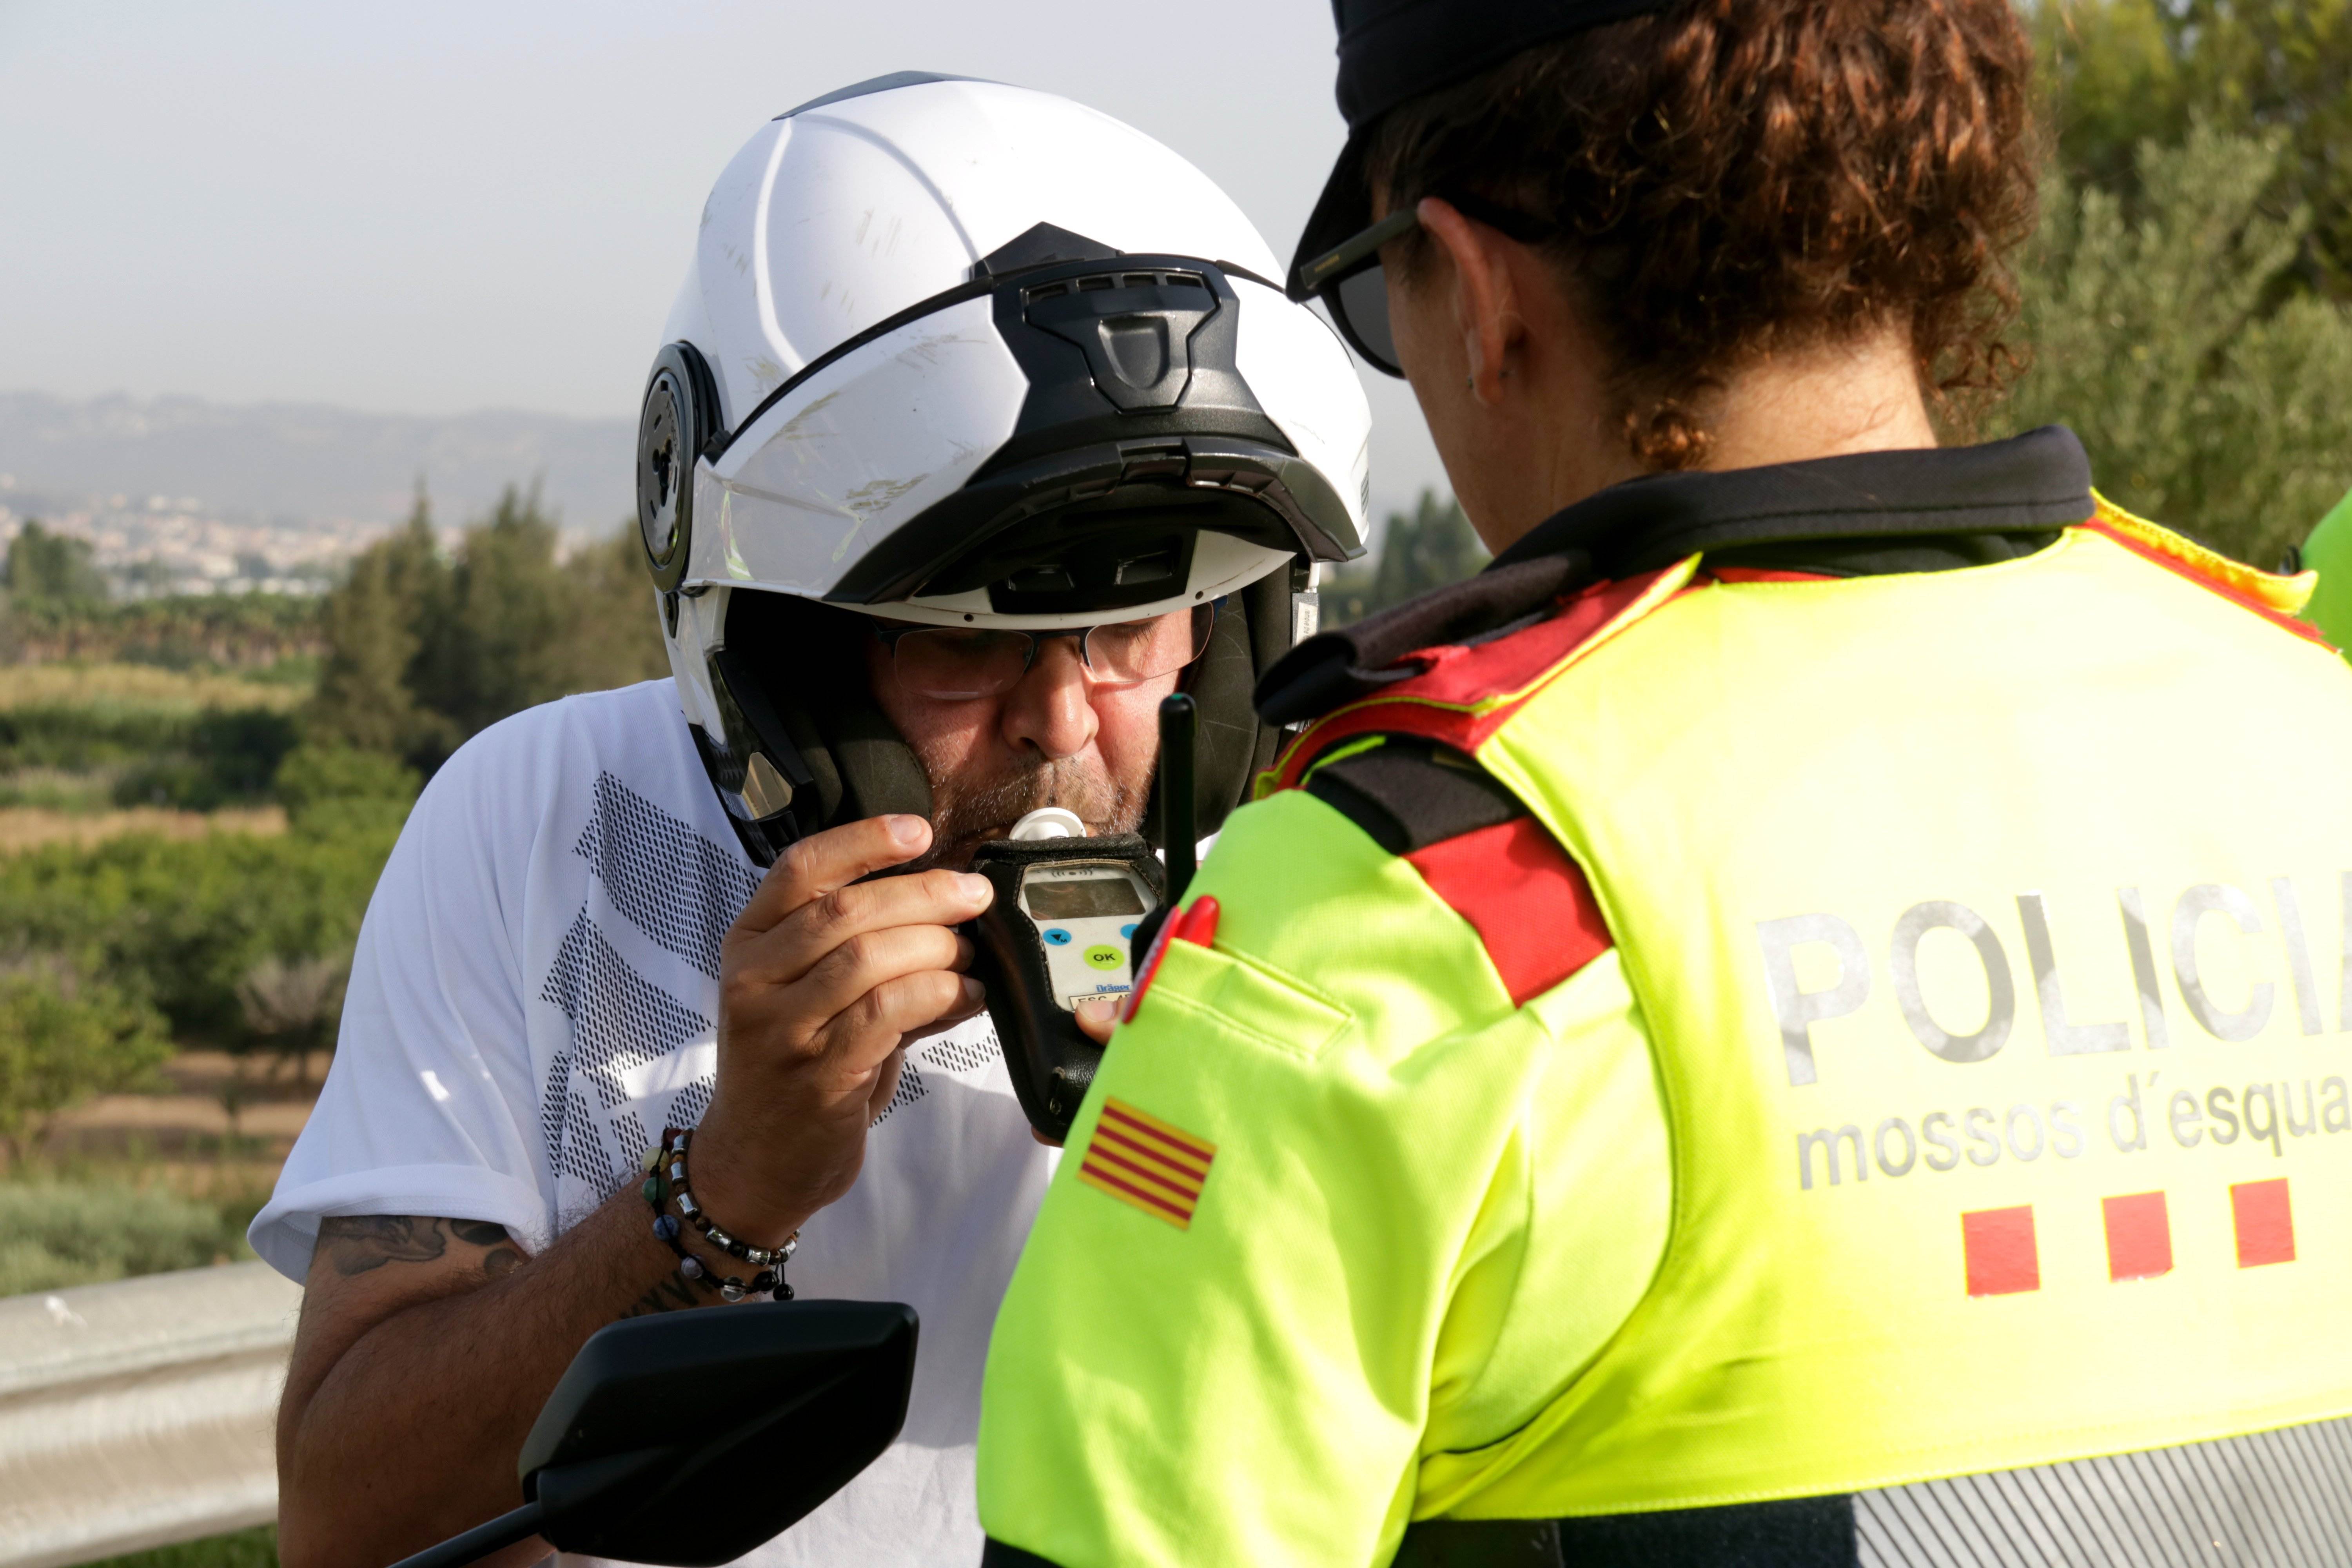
(1528, 902)
(1463, 692)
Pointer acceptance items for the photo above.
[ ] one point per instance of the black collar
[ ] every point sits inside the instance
(1859, 514)
(2029, 483)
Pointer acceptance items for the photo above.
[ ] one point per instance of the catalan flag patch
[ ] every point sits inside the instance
(1143, 1162)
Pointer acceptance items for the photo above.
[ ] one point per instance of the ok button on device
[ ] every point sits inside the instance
(1057, 936)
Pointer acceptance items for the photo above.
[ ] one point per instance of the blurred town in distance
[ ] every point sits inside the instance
(182, 496)
(159, 545)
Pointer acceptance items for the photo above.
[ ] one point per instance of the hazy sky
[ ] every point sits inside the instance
(435, 208)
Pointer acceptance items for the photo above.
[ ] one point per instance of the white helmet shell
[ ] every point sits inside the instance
(928, 318)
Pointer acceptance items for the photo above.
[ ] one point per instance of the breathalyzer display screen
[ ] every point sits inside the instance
(1077, 900)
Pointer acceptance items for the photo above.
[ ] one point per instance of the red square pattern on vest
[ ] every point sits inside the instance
(2139, 1236)
(2266, 1223)
(2001, 1257)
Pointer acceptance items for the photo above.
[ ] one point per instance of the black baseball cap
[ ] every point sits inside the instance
(1394, 51)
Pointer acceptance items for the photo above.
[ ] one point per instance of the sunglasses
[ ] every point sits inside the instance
(1354, 287)
(963, 664)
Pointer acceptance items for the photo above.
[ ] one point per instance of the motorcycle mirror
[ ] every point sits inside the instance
(689, 1439)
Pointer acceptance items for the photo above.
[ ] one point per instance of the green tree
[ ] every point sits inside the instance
(421, 653)
(2206, 400)
(53, 570)
(2121, 72)
(498, 647)
(182, 924)
(65, 1039)
(614, 636)
(1426, 548)
(377, 624)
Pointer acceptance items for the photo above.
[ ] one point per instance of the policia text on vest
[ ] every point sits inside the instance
(2244, 1065)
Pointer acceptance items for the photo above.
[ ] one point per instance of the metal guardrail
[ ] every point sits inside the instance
(141, 1413)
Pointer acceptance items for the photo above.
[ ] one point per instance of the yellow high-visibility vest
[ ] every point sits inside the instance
(2000, 986)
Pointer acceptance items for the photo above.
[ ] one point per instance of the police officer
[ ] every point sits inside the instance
(1800, 1013)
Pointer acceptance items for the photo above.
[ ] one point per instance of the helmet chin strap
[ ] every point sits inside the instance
(880, 771)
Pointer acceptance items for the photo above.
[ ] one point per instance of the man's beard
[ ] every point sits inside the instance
(966, 812)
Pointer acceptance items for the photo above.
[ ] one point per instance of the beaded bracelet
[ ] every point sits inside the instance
(667, 1176)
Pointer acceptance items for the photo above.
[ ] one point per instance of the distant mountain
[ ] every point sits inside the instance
(300, 462)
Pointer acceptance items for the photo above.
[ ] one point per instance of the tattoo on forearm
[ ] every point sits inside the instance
(674, 1293)
(357, 1243)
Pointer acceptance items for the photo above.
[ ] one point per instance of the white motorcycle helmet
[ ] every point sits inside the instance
(966, 354)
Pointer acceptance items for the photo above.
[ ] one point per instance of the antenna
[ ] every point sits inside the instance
(1179, 822)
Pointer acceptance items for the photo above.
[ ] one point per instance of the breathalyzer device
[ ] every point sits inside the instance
(1071, 916)
(1060, 930)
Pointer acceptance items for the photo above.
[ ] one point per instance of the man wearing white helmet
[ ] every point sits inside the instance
(978, 431)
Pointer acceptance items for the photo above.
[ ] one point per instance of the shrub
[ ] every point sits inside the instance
(66, 1039)
(225, 757)
(184, 925)
(55, 1233)
(328, 789)
(2201, 407)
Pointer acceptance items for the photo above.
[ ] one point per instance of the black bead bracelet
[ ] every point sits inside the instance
(667, 1177)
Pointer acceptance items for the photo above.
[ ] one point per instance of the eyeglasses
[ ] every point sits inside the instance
(961, 664)
(1355, 288)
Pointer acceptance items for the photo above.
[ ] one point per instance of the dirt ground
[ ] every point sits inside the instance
(184, 1132)
(32, 826)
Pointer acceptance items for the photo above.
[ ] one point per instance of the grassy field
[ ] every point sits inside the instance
(255, 1548)
(141, 1183)
(81, 742)
(59, 1234)
(135, 1183)
(142, 686)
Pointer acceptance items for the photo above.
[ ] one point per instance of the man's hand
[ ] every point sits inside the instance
(822, 981)
(1097, 1016)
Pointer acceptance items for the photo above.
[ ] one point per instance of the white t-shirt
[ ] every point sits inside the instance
(533, 999)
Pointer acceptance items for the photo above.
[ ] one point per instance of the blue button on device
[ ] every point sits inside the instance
(1058, 936)
(1128, 931)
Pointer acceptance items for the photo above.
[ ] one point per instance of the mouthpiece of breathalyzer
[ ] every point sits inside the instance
(1047, 822)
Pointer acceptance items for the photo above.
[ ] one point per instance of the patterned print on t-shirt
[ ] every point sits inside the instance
(675, 885)
(680, 890)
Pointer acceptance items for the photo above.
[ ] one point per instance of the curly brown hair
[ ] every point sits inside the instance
(1731, 177)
